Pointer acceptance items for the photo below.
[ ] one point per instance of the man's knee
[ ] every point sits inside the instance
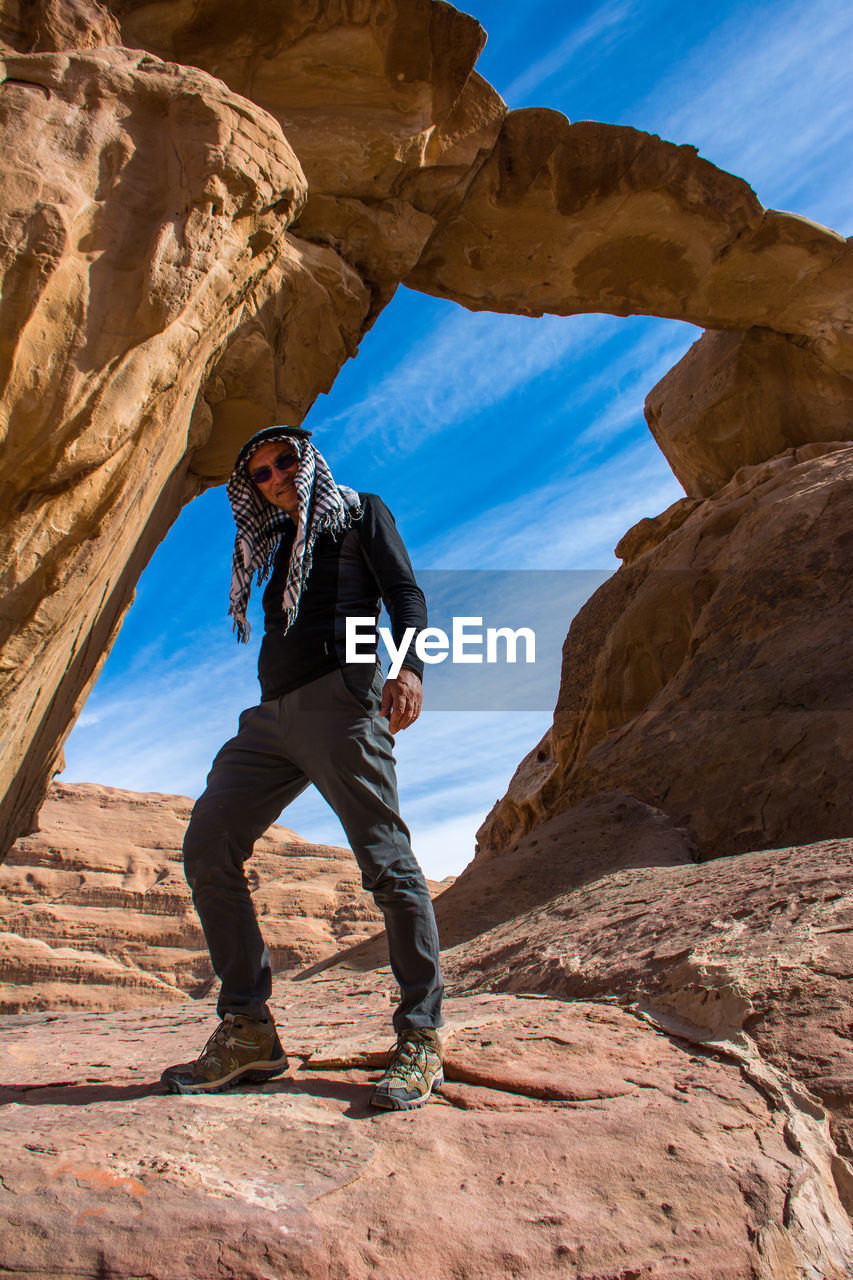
(399, 883)
(213, 847)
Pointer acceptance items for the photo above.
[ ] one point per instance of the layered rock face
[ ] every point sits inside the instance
(194, 238)
(96, 913)
(52, 25)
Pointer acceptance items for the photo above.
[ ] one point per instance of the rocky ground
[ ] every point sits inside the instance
(647, 1076)
(572, 1138)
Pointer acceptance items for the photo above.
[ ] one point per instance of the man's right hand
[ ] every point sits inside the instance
(402, 699)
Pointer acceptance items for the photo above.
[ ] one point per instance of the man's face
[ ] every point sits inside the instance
(279, 488)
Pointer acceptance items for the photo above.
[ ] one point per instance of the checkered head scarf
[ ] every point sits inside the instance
(260, 525)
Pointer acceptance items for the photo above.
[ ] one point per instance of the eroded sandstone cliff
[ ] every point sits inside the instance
(711, 676)
(144, 207)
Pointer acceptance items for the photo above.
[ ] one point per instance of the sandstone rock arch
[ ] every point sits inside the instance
(200, 222)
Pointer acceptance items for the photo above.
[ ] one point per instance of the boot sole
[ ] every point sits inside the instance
(388, 1103)
(254, 1073)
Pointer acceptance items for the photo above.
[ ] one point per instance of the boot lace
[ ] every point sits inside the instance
(407, 1058)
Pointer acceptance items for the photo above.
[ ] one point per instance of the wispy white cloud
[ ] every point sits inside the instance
(571, 523)
(445, 848)
(467, 364)
(768, 97)
(452, 768)
(628, 377)
(606, 23)
(159, 726)
(471, 363)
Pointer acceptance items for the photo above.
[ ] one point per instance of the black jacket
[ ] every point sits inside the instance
(349, 573)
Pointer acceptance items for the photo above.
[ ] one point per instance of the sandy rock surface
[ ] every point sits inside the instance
(710, 677)
(380, 101)
(570, 1138)
(760, 943)
(648, 1073)
(95, 911)
(47, 26)
(605, 902)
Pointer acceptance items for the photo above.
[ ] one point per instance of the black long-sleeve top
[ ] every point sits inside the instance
(349, 573)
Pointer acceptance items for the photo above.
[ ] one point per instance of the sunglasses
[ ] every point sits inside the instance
(282, 463)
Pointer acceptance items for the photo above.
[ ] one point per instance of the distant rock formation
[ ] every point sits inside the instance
(198, 225)
(95, 912)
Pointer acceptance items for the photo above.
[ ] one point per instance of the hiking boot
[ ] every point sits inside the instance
(413, 1071)
(240, 1049)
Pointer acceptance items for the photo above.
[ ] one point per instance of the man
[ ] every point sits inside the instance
(329, 553)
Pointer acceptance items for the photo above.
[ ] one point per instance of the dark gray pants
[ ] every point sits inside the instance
(320, 733)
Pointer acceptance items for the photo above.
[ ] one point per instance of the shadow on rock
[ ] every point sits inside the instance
(64, 1093)
(356, 1095)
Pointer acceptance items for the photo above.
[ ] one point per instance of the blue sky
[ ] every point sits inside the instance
(499, 442)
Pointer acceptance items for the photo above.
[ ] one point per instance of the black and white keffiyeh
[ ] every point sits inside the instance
(260, 525)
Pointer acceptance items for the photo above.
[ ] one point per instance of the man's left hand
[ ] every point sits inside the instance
(402, 699)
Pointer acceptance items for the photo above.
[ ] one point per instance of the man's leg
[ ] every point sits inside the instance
(249, 784)
(346, 751)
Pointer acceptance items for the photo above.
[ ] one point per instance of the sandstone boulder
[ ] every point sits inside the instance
(604, 835)
(737, 399)
(47, 26)
(300, 324)
(710, 677)
(379, 100)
